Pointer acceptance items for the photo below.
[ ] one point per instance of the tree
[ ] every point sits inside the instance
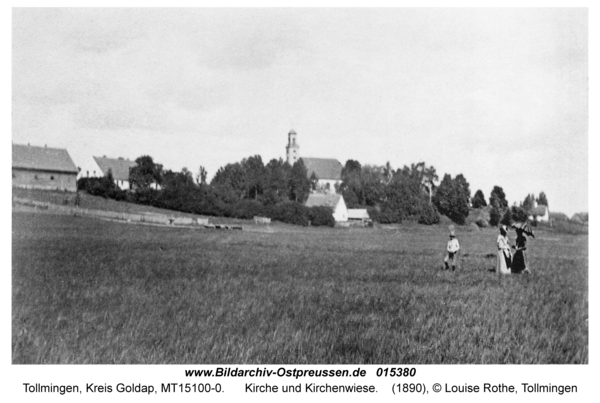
(388, 173)
(145, 173)
(254, 171)
(495, 216)
(519, 214)
(177, 180)
(478, 200)
(542, 199)
(427, 176)
(373, 184)
(452, 198)
(277, 181)
(498, 198)
(507, 218)
(528, 203)
(230, 183)
(201, 176)
(352, 185)
(299, 183)
(462, 187)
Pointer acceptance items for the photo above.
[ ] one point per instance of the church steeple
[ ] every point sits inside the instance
(292, 149)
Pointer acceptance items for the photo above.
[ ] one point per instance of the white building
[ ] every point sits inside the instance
(539, 213)
(333, 200)
(328, 171)
(119, 168)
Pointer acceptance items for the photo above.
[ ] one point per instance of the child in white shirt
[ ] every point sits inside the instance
(452, 249)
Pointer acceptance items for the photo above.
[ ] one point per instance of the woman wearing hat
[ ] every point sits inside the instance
(519, 263)
(503, 263)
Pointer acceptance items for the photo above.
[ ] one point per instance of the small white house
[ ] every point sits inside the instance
(119, 167)
(333, 200)
(539, 213)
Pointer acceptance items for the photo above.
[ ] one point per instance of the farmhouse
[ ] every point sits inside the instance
(327, 170)
(539, 213)
(119, 168)
(43, 168)
(333, 200)
(580, 218)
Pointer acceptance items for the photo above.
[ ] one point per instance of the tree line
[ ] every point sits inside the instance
(278, 190)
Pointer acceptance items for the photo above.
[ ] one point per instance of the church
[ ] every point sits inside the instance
(327, 170)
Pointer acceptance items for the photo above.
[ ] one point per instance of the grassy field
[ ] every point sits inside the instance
(92, 291)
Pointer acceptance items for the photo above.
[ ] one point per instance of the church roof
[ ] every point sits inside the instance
(292, 131)
(42, 159)
(119, 167)
(323, 199)
(324, 168)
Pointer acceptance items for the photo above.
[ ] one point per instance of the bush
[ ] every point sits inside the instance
(481, 223)
(429, 215)
(246, 209)
(518, 214)
(291, 213)
(104, 187)
(374, 213)
(321, 215)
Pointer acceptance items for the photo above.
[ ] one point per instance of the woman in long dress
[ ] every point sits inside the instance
(503, 263)
(519, 263)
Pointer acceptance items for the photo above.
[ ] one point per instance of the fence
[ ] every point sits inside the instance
(151, 218)
(262, 220)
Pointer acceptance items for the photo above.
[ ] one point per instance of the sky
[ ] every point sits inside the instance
(498, 95)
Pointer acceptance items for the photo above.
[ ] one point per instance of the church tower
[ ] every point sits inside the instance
(292, 149)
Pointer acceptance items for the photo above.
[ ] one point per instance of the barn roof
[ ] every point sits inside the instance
(118, 166)
(358, 214)
(538, 211)
(577, 218)
(324, 168)
(323, 199)
(42, 159)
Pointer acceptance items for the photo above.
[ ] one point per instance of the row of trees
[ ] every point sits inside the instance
(249, 187)
(498, 199)
(241, 190)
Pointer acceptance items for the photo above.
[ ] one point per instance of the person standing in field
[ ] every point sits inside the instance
(520, 262)
(452, 248)
(503, 263)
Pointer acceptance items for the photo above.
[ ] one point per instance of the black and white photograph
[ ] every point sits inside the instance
(388, 188)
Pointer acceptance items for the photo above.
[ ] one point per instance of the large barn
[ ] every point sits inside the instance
(43, 168)
(119, 168)
(328, 171)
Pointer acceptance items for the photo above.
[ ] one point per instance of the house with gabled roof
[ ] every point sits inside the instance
(43, 168)
(328, 171)
(119, 168)
(539, 213)
(333, 200)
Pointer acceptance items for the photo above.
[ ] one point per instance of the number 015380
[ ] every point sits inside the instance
(404, 372)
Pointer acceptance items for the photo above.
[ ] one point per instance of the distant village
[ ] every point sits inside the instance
(36, 167)
(47, 168)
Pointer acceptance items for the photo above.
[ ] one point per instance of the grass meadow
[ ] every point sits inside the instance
(88, 291)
